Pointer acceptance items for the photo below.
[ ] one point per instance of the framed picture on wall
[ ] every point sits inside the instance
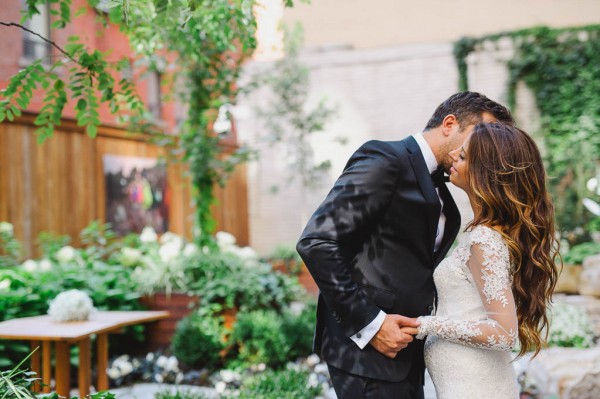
(137, 193)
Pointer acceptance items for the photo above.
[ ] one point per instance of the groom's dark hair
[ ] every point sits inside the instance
(467, 107)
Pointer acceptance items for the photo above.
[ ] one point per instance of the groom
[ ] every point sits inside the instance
(373, 244)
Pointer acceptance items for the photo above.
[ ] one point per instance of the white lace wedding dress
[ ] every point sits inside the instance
(469, 339)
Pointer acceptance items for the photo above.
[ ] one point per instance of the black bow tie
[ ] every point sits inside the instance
(439, 177)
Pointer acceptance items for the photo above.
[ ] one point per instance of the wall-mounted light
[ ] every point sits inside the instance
(222, 125)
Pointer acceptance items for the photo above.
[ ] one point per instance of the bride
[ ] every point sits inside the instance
(496, 285)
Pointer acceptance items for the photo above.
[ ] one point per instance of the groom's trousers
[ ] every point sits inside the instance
(350, 386)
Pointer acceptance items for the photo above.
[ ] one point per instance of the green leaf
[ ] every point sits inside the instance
(81, 11)
(92, 130)
(81, 104)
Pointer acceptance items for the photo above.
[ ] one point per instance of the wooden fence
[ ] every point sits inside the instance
(59, 186)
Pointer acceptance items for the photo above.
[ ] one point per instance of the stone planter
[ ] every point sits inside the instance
(568, 280)
(179, 305)
(589, 280)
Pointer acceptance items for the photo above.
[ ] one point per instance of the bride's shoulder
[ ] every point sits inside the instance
(483, 234)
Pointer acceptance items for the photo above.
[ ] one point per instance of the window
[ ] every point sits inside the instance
(154, 103)
(34, 47)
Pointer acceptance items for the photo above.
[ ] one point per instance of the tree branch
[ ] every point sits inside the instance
(9, 24)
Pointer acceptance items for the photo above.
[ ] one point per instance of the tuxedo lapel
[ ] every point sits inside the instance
(426, 184)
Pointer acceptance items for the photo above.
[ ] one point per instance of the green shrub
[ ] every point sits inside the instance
(198, 340)
(288, 256)
(236, 283)
(179, 395)
(299, 330)
(259, 338)
(289, 384)
(579, 252)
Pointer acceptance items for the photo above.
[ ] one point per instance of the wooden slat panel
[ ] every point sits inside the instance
(59, 186)
(4, 170)
(15, 176)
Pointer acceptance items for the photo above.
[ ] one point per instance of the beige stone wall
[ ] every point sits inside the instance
(384, 94)
(396, 67)
(380, 23)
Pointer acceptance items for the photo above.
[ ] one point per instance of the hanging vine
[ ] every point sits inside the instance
(562, 68)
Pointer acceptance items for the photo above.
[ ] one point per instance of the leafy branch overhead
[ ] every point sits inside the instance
(198, 45)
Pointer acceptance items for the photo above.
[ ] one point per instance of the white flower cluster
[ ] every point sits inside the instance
(34, 266)
(227, 243)
(569, 327)
(7, 228)
(165, 366)
(71, 305)
(66, 254)
(121, 367)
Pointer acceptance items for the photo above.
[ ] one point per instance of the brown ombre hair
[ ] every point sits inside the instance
(507, 184)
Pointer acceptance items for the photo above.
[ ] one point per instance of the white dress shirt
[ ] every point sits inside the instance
(364, 336)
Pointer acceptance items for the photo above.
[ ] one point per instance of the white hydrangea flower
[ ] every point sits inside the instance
(313, 381)
(172, 364)
(6, 227)
(30, 265)
(220, 386)
(130, 256)
(45, 265)
(190, 249)
(4, 284)
(70, 306)
(126, 368)
(66, 254)
(158, 378)
(169, 251)
(168, 236)
(162, 361)
(225, 239)
(150, 356)
(113, 373)
(148, 235)
(247, 253)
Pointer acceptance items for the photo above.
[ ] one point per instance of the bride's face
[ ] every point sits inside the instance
(459, 172)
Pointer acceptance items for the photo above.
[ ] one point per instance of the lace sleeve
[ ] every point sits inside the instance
(489, 263)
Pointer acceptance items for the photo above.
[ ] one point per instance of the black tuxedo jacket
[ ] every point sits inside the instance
(370, 247)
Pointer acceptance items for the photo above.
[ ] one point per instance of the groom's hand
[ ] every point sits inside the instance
(390, 339)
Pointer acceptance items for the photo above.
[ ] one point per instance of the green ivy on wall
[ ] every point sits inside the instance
(562, 68)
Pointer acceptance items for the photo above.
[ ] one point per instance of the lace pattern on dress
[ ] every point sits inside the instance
(495, 275)
(486, 258)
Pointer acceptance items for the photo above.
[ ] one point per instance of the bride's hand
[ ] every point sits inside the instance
(390, 339)
(409, 330)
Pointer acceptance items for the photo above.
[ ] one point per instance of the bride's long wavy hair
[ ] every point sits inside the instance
(507, 182)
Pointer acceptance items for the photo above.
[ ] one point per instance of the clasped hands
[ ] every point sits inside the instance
(395, 334)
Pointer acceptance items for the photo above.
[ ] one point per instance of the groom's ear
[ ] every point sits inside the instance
(449, 124)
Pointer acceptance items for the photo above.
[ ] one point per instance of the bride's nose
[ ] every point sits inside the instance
(454, 154)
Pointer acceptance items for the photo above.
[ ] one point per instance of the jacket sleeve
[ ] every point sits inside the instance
(490, 268)
(337, 229)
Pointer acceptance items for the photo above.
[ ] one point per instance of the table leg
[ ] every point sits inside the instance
(46, 365)
(35, 363)
(63, 369)
(84, 376)
(102, 355)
